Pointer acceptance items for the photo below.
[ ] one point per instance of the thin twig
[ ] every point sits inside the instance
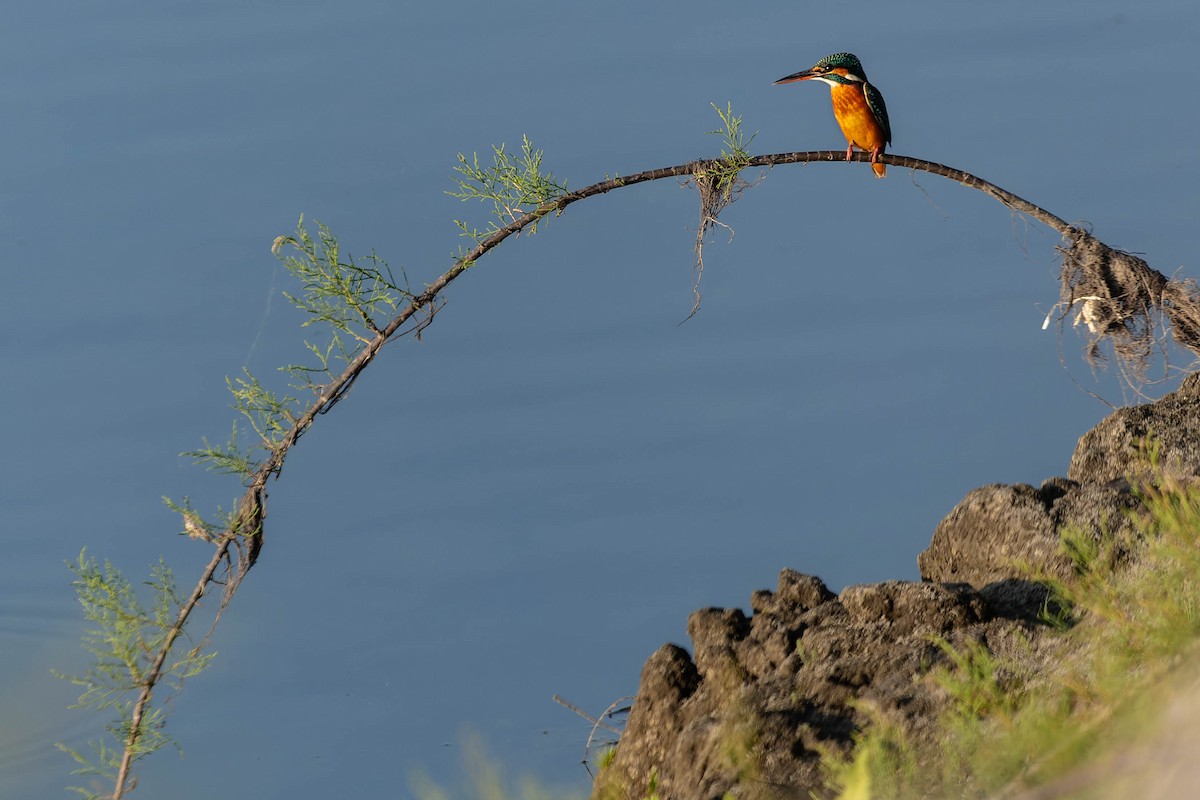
(594, 720)
(608, 712)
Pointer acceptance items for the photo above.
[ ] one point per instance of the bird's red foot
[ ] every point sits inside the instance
(849, 151)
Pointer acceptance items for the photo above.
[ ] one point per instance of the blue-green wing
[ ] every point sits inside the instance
(879, 109)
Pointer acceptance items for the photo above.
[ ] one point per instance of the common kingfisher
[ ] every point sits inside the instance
(857, 105)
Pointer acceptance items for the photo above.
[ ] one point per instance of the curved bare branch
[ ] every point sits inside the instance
(244, 534)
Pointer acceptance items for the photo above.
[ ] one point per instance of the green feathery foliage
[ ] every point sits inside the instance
(132, 646)
(124, 640)
(352, 301)
(515, 185)
(735, 153)
(354, 298)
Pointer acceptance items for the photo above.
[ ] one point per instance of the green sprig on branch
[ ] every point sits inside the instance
(125, 640)
(514, 185)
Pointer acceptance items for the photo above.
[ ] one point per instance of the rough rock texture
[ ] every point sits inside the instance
(798, 677)
(998, 532)
(751, 711)
(1110, 451)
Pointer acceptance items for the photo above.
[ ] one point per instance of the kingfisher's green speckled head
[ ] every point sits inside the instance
(839, 68)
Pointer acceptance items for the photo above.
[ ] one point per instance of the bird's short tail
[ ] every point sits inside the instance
(880, 170)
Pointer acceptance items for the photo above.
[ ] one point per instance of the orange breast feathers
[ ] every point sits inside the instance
(858, 124)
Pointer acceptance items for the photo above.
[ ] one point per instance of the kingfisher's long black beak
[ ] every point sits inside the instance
(796, 76)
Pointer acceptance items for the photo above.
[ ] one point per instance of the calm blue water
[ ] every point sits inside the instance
(532, 499)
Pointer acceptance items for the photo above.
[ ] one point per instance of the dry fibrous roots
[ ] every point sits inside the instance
(718, 186)
(1121, 300)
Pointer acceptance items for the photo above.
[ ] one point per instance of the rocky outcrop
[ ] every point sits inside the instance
(998, 533)
(763, 696)
(768, 694)
(1112, 451)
